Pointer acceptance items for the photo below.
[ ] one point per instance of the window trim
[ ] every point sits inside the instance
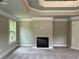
(13, 30)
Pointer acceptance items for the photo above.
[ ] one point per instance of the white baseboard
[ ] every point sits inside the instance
(60, 45)
(1, 56)
(51, 47)
(74, 48)
(43, 48)
(26, 44)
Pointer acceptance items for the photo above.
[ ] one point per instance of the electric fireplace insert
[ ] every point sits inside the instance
(42, 42)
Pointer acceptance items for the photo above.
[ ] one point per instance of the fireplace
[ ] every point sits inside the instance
(42, 42)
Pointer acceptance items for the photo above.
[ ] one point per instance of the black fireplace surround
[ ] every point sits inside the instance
(42, 42)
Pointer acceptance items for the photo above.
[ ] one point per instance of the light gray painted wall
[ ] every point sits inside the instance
(75, 35)
(61, 37)
(60, 33)
(4, 35)
(26, 33)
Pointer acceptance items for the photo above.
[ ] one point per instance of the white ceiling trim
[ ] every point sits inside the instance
(46, 10)
(44, 3)
(60, 19)
(8, 15)
(26, 20)
(51, 12)
(75, 18)
(38, 18)
(42, 18)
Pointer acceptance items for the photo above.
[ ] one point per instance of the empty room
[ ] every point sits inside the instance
(39, 29)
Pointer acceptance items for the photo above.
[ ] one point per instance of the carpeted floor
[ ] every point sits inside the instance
(56, 53)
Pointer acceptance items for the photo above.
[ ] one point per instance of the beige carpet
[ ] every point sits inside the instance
(56, 53)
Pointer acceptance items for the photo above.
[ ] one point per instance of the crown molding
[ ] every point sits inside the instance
(61, 19)
(25, 20)
(2, 13)
(42, 18)
(44, 3)
(50, 12)
(75, 18)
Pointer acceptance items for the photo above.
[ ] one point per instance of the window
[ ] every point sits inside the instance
(12, 31)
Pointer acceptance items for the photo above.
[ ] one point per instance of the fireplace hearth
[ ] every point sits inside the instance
(42, 42)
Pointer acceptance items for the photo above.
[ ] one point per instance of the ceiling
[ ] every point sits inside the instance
(19, 9)
(16, 8)
(35, 4)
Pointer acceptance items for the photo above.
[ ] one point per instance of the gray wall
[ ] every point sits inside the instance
(75, 35)
(60, 33)
(29, 30)
(26, 33)
(4, 35)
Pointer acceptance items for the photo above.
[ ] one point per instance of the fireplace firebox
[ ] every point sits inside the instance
(42, 42)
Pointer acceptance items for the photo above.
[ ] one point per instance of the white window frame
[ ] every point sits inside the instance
(12, 31)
